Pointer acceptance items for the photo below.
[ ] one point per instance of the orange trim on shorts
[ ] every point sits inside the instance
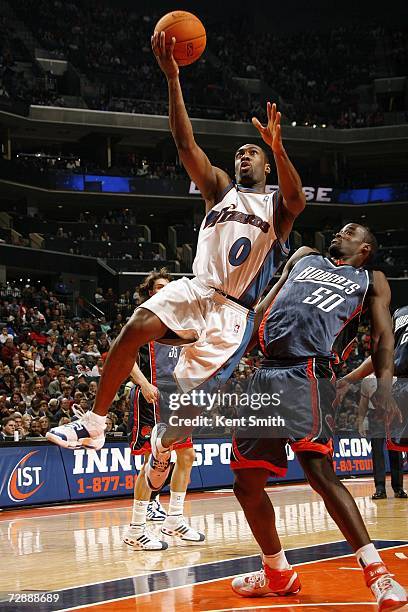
(306, 445)
(314, 394)
(153, 380)
(402, 448)
(135, 416)
(243, 464)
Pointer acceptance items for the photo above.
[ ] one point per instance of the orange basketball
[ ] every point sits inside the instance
(189, 33)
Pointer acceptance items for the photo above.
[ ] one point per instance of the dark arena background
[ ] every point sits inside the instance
(93, 197)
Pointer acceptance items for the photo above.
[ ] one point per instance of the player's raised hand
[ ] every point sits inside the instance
(271, 133)
(164, 55)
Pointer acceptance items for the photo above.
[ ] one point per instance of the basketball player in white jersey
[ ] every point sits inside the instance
(242, 241)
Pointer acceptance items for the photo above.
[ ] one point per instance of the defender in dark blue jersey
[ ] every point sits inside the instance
(309, 320)
(153, 378)
(395, 433)
(400, 320)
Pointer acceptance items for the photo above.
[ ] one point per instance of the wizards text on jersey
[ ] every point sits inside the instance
(228, 214)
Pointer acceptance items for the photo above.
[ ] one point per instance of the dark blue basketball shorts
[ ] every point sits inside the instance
(303, 416)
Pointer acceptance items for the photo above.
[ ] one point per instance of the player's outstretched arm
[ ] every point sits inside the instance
(210, 180)
(382, 346)
(290, 185)
(382, 336)
(263, 306)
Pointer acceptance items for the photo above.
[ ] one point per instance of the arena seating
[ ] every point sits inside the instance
(321, 77)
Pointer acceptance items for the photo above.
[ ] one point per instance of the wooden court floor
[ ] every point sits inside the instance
(75, 555)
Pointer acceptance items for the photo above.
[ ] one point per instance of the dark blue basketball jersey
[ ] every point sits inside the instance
(317, 311)
(157, 362)
(400, 319)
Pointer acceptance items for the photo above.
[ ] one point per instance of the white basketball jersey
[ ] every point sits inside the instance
(238, 250)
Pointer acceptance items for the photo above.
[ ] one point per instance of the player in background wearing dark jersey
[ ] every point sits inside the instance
(397, 436)
(311, 317)
(156, 362)
(240, 245)
(371, 426)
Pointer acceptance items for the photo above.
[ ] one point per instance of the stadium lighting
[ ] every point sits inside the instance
(293, 123)
(314, 125)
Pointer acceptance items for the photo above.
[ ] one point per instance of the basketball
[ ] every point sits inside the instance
(189, 33)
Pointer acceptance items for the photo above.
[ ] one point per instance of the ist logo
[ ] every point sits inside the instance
(23, 478)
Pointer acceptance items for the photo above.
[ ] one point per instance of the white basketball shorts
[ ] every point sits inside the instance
(216, 331)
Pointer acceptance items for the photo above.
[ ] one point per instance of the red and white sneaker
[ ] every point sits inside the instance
(267, 582)
(389, 594)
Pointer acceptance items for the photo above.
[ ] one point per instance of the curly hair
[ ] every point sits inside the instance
(147, 285)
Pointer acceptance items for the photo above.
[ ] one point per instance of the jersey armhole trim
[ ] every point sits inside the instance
(283, 245)
(224, 193)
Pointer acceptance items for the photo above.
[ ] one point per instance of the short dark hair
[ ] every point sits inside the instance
(7, 420)
(370, 239)
(147, 285)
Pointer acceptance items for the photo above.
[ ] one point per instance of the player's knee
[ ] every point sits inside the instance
(245, 489)
(315, 478)
(139, 326)
(185, 457)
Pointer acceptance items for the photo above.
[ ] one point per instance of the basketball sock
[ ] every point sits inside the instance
(97, 419)
(278, 561)
(176, 503)
(139, 513)
(367, 554)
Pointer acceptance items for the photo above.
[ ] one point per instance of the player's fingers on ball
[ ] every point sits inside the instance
(154, 46)
(162, 42)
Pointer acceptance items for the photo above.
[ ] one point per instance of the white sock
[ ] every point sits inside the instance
(97, 419)
(278, 561)
(176, 503)
(139, 513)
(367, 554)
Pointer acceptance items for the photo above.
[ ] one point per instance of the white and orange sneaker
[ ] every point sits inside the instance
(389, 594)
(267, 582)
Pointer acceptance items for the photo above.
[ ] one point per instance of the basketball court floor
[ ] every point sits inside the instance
(72, 557)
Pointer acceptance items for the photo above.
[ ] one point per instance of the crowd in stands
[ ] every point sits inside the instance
(315, 74)
(51, 360)
(131, 164)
